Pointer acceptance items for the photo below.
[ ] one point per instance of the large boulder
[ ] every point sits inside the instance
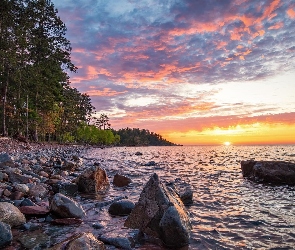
(93, 180)
(5, 234)
(274, 172)
(66, 207)
(160, 213)
(11, 215)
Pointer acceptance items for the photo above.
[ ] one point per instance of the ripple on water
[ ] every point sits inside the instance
(229, 212)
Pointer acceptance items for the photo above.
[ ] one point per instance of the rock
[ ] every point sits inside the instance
(7, 193)
(38, 191)
(69, 165)
(92, 180)
(27, 202)
(120, 242)
(121, 180)
(43, 174)
(18, 178)
(34, 240)
(274, 172)
(138, 153)
(150, 163)
(34, 210)
(11, 215)
(66, 207)
(17, 195)
(66, 221)
(160, 213)
(121, 208)
(6, 160)
(86, 241)
(5, 234)
(22, 188)
(66, 188)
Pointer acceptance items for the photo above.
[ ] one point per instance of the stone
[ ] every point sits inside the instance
(38, 191)
(138, 153)
(66, 207)
(121, 208)
(6, 160)
(5, 234)
(27, 202)
(273, 172)
(22, 188)
(7, 193)
(11, 215)
(93, 180)
(66, 188)
(119, 242)
(85, 241)
(150, 163)
(160, 213)
(69, 165)
(17, 195)
(18, 178)
(34, 210)
(66, 221)
(43, 174)
(121, 180)
(34, 240)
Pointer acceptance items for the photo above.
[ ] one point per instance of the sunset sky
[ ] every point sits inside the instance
(194, 71)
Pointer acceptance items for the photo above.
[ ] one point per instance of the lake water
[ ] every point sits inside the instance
(229, 212)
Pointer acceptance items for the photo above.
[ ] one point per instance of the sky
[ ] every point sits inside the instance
(197, 72)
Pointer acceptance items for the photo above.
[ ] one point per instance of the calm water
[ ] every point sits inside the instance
(229, 212)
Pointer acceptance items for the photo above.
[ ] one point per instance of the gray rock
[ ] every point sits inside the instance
(38, 191)
(11, 215)
(6, 160)
(160, 213)
(66, 207)
(66, 188)
(274, 172)
(121, 208)
(5, 234)
(93, 180)
(120, 242)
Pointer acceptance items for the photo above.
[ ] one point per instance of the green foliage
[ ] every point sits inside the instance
(141, 137)
(90, 134)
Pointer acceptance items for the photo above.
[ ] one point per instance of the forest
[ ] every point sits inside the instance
(37, 99)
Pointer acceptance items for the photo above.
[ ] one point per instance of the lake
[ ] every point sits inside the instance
(229, 212)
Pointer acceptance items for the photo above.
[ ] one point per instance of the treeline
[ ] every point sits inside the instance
(141, 137)
(37, 100)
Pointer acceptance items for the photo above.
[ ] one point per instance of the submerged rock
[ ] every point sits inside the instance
(120, 242)
(92, 180)
(11, 215)
(121, 208)
(121, 180)
(5, 234)
(66, 207)
(274, 172)
(160, 213)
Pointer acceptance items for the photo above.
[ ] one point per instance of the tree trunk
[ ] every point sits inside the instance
(4, 132)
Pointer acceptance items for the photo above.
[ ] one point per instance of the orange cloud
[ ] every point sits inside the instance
(104, 92)
(277, 26)
(291, 13)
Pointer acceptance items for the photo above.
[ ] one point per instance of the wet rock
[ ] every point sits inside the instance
(184, 190)
(86, 241)
(66, 188)
(121, 180)
(274, 172)
(5, 234)
(121, 208)
(92, 180)
(150, 163)
(66, 207)
(6, 160)
(34, 240)
(120, 242)
(160, 213)
(138, 153)
(11, 215)
(34, 210)
(97, 225)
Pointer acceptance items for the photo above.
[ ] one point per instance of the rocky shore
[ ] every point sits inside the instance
(44, 204)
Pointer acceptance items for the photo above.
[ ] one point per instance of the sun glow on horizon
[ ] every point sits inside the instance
(246, 134)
